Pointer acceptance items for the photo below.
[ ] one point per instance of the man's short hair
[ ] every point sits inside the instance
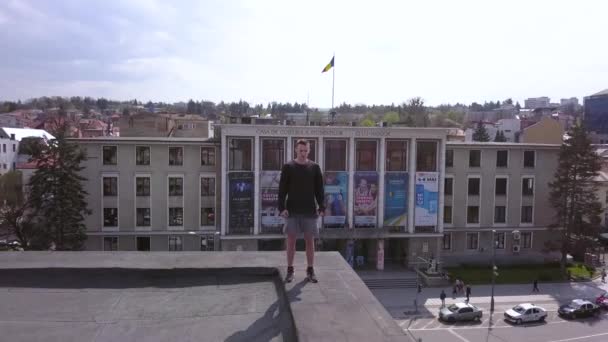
(302, 142)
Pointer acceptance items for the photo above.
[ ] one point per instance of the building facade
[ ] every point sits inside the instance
(497, 191)
(154, 194)
(596, 116)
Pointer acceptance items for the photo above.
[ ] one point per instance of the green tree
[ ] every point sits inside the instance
(481, 134)
(415, 109)
(56, 191)
(573, 196)
(500, 137)
(191, 107)
(391, 117)
(16, 216)
(368, 123)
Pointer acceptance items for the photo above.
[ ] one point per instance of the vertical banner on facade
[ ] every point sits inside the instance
(380, 255)
(336, 196)
(272, 222)
(395, 199)
(366, 199)
(427, 184)
(240, 203)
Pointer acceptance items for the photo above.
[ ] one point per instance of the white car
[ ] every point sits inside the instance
(526, 312)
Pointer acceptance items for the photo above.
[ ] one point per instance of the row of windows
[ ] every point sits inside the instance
(502, 158)
(240, 155)
(142, 155)
(4, 148)
(142, 186)
(175, 243)
(500, 186)
(143, 215)
(472, 240)
(500, 214)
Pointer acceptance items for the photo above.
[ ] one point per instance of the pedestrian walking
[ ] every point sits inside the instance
(604, 275)
(301, 202)
(454, 291)
(442, 297)
(535, 288)
(468, 292)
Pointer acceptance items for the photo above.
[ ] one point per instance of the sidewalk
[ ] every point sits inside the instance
(400, 302)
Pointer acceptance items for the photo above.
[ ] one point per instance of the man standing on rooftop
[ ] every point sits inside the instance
(301, 196)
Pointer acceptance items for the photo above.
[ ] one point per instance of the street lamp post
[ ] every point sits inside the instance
(493, 269)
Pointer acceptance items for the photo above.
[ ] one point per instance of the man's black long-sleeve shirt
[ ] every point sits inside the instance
(300, 186)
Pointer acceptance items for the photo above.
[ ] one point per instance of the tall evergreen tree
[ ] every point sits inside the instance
(481, 134)
(56, 191)
(573, 196)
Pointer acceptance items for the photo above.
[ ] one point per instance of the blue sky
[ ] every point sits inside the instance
(262, 51)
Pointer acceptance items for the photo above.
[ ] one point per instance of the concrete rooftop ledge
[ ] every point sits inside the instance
(185, 296)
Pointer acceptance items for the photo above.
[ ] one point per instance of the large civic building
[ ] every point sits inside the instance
(392, 194)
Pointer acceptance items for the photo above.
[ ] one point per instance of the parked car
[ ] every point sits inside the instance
(578, 308)
(526, 312)
(460, 312)
(602, 300)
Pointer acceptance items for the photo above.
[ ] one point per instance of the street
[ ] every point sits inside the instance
(422, 325)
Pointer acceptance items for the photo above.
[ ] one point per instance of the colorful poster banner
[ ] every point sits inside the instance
(272, 222)
(365, 195)
(240, 203)
(395, 199)
(336, 197)
(427, 184)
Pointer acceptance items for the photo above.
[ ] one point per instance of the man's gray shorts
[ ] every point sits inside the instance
(300, 225)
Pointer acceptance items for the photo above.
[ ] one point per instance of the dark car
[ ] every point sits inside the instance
(602, 300)
(578, 308)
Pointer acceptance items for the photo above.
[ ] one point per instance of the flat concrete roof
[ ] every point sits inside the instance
(185, 296)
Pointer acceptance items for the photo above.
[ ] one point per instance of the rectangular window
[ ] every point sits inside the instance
(110, 243)
(142, 186)
(606, 200)
(474, 158)
(240, 156)
(208, 186)
(109, 155)
(449, 158)
(273, 154)
(143, 243)
(207, 217)
(473, 214)
(447, 186)
(499, 240)
(335, 155)
(176, 216)
(426, 156)
(529, 158)
(142, 155)
(14, 148)
(502, 158)
(396, 155)
(447, 241)
(175, 244)
(500, 188)
(110, 186)
(474, 186)
(110, 217)
(207, 156)
(500, 214)
(527, 186)
(176, 186)
(207, 243)
(176, 156)
(365, 155)
(472, 241)
(312, 147)
(143, 217)
(526, 214)
(447, 214)
(526, 240)
(4, 148)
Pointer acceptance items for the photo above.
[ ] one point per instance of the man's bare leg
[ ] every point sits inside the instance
(291, 251)
(310, 256)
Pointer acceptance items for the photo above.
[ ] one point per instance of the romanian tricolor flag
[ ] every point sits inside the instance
(329, 65)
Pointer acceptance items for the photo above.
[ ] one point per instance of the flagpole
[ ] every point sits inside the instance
(333, 83)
